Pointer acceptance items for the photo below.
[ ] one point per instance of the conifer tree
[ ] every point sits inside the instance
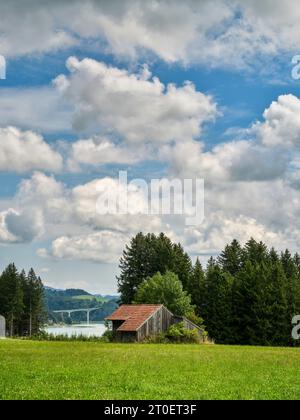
(255, 252)
(293, 284)
(21, 301)
(280, 325)
(196, 287)
(182, 266)
(230, 259)
(34, 303)
(217, 310)
(146, 256)
(246, 301)
(12, 298)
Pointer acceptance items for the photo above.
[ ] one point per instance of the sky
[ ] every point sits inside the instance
(160, 89)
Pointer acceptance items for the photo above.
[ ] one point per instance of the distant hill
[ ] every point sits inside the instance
(56, 300)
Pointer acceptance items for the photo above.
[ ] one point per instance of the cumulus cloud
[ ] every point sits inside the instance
(269, 150)
(23, 151)
(20, 227)
(100, 151)
(104, 246)
(222, 229)
(45, 209)
(69, 218)
(134, 106)
(223, 33)
(6, 237)
(233, 161)
(166, 28)
(40, 109)
(105, 203)
(40, 27)
(251, 190)
(282, 123)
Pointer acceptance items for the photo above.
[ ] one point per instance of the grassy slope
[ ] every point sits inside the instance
(30, 370)
(87, 297)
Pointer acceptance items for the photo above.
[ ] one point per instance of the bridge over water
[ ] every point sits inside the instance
(72, 311)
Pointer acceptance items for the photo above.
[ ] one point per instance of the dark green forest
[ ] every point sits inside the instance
(22, 301)
(247, 295)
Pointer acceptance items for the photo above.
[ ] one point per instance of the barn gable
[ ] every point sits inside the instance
(132, 317)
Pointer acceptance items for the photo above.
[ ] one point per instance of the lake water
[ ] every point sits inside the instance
(93, 330)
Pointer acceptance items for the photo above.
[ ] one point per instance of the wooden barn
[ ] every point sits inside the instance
(136, 322)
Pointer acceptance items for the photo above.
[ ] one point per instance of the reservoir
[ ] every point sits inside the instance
(92, 330)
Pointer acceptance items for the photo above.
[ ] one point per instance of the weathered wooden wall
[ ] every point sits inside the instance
(125, 337)
(158, 323)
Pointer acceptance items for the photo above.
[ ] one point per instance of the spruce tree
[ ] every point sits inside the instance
(255, 252)
(293, 284)
(196, 287)
(280, 325)
(146, 256)
(246, 301)
(12, 300)
(34, 303)
(217, 309)
(230, 259)
(182, 266)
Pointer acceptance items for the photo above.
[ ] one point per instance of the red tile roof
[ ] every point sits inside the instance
(134, 316)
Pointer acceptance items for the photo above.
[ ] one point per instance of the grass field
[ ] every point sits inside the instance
(49, 370)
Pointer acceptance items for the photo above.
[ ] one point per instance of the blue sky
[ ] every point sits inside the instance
(69, 125)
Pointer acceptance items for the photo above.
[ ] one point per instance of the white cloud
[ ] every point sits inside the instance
(282, 123)
(269, 151)
(133, 106)
(222, 230)
(68, 218)
(166, 28)
(5, 236)
(231, 33)
(104, 246)
(252, 189)
(23, 151)
(45, 209)
(21, 227)
(233, 161)
(99, 151)
(41, 109)
(90, 206)
(34, 27)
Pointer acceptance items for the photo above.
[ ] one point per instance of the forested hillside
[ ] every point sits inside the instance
(77, 299)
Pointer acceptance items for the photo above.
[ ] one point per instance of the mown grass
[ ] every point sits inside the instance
(62, 370)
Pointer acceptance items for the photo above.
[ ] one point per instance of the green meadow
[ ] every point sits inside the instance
(66, 370)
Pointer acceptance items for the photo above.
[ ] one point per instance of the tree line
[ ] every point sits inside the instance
(247, 295)
(21, 301)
